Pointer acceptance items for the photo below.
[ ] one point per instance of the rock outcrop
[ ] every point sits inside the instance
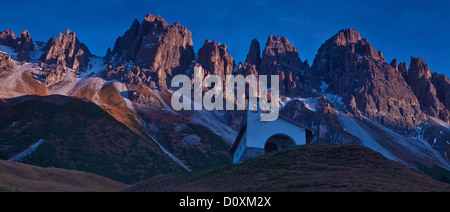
(55, 75)
(5, 63)
(68, 51)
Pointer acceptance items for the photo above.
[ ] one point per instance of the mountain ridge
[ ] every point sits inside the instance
(348, 76)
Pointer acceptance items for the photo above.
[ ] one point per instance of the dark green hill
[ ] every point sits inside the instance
(305, 168)
(78, 135)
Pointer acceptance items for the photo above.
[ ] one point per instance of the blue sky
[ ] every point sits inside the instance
(400, 29)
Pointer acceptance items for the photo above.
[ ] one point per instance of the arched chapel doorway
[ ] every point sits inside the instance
(277, 142)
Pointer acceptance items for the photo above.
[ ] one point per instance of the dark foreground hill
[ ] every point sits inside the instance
(306, 168)
(76, 134)
(26, 178)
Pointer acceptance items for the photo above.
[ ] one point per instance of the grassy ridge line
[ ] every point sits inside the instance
(306, 168)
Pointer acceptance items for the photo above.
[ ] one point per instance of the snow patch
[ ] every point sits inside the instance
(311, 103)
(335, 100)
(95, 67)
(8, 52)
(352, 126)
(35, 55)
(166, 107)
(283, 101)
(28, 151)
(440, 122)
(323, 86)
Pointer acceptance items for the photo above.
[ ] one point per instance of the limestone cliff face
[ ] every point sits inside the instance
(442, 86)
(348, 66)
(419, 78)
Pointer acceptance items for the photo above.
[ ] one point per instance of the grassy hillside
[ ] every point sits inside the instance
(194, 144)
(206, 151)
(79, 135)
(18, 177)
(306, 168)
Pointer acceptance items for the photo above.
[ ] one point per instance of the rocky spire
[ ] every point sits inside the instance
(281, 58)
(7, 37)
(403, 67)
(254, 54)
(394, 64)
(24, 45)
(419, 69)
(253, 60)
(66, 50)
(215, 59)
(124, 45)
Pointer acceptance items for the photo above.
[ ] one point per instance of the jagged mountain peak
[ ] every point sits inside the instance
(7, 37)
(278, 44)
(152, 18)
(278, 47)
(22, 45)
(348, 42)
(280, 57)
(25, 33)
(143, 37)
(215, 59)
(159, 50)
(346, 36)
(350, 67)
(66, 50)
